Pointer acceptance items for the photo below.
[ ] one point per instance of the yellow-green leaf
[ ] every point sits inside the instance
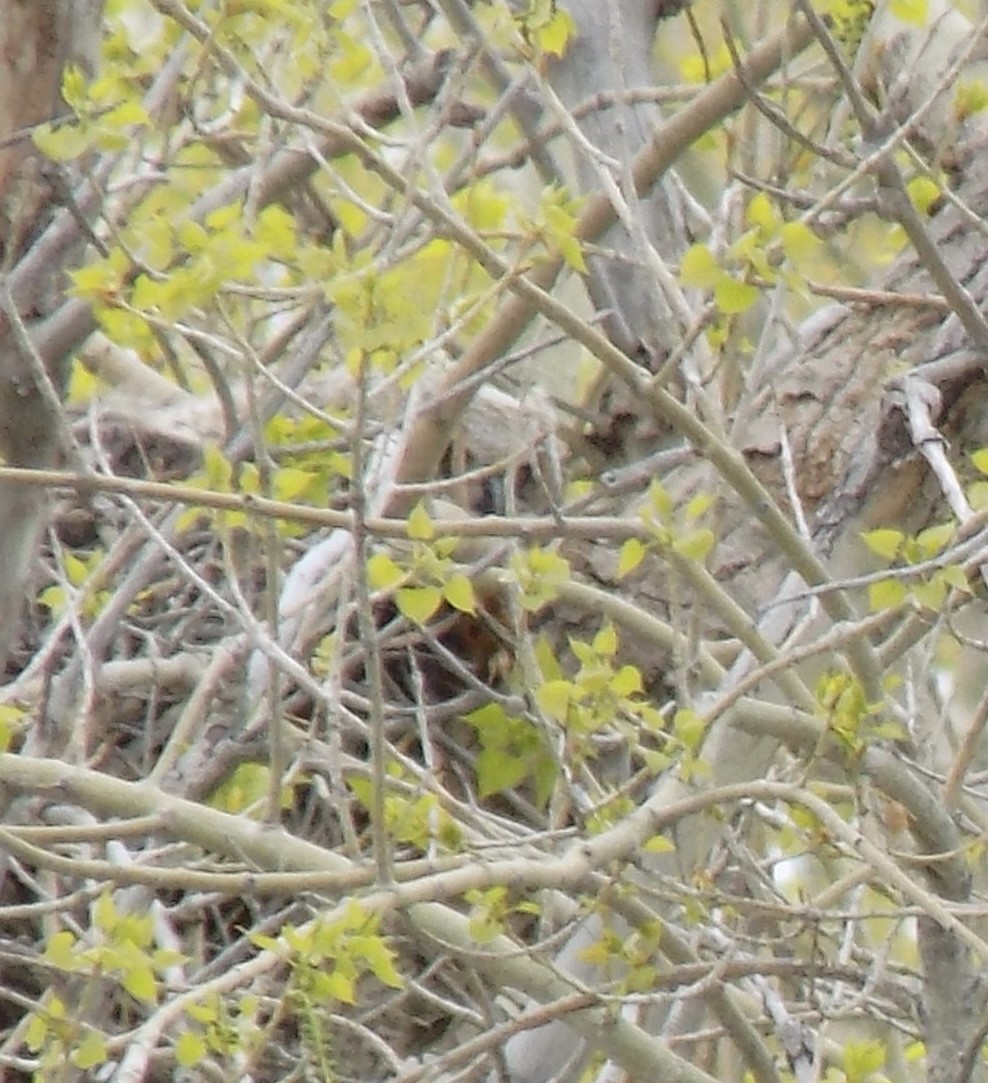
(90, 1052)
(605, 641)
(934, 539)
(885, 543)
(799, 242)
(626, 682)
(458, 591)
(572, 253)
(190, 1048)
(289, 482)
(932, 595)
(886, 594)
(420, 526)
(698, 268)
(915, 12)
(554, 697)
(63, 143)
(139, 982)
(418, 604)
(631, 555)
(923, 192)
(956, 578)
(383, 573)
(60, 951)
(762, 213)
(554, 35)
(734, 297)
(696, 545)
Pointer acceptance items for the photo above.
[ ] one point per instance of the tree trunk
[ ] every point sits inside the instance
(38, 39)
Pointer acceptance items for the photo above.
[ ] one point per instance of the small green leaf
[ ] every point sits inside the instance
(660, 499)
(337, 986)
(190, 1049)
(499, 771)
(799, 242)
(923, 192)
(699, 268)
(970, 98)
(932, 595)
(90, 1052)
(734, 297)
(290, 482)
(218, 470)
(555, 697)
(572, 253)
(659, 844)
(554, 35)
(418, 604)
(631, 555)
(915, 12)
(934, 539)
(626, 682)
(698, 506)
(383, 573)
(696, 545)
(885, 543)
(61, 953)
(139, 981)
(956, 578)
(36, 1032)
(605, 641)
(980, 460)
(458, 592)
(380, 958)
(689, 727)
(762, 213)
(420, 526)
(886, 594)
(63, 143)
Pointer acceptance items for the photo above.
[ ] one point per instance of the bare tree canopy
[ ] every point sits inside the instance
(493, 508)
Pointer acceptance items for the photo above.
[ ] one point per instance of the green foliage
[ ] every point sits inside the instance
(849, 716)
(490, 910)
(914, 12)
(930, 590)
(769, 250)
(545, 27)
(417, 819)
(120, 952)
(83, 572)
(246, 789)
(861, 1061)
(849, 20)
(599, 693)
(327, 959)
(13, 719)
(631, 958)
(105, 117)
(539, 573)
(512, 752)
(673, 529)
(329, 956)
(428, 578)
(970, 98)
(219, 1027)
(553, 227)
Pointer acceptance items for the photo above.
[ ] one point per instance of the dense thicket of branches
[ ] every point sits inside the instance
(493, 528)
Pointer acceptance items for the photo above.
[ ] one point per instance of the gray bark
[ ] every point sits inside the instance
(37, 39)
